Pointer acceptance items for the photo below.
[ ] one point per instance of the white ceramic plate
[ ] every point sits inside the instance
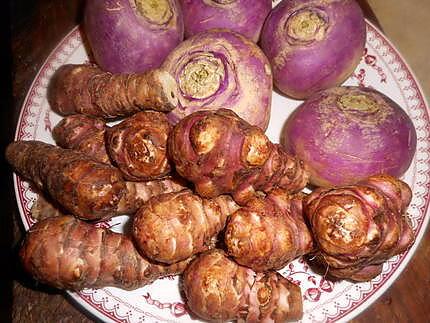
(382, 67)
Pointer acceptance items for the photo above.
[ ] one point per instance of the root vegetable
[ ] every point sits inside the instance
(269, 232)
(221, 69)
(137, 194)
(173, 227)
(355, 133)
(357, 228)
(243, 16)
(313, 44)
(88, 90)
(221, 153)
(43, 208)
(218, 289)
(137, 146)
(128, 36)
(88, 189)
(70, 254)
(83, 133)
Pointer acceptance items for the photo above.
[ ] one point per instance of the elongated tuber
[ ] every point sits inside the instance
(137, 194)
(138, 145)
(83, 133)
(269, 232)
(70, 254)
(88, 189)
(174, 226)
(221, 153)
(218, 289)
(359, 227)
(88, 90)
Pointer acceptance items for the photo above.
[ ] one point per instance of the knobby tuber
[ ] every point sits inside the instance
(86, 89)
(269, 232)
(359, 227)
(70, 254)
(218, 289)
(82, 186)
(137, 145)
(83, 133)
(221, 153)
(174, 226)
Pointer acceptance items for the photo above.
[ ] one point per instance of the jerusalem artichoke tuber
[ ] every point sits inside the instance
(70, 254)
(88, 90)
(359, 227)
(221, 153)
(88, 189)
(137, 145)
(269, 232)
(83, 133)
(218, 289)
(174, 226)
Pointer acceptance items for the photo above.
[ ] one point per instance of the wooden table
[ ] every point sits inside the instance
(37, 26)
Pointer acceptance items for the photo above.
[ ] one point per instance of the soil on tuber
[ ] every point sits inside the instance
(88, 90)
(268, 232)
(218, 289)
(82, 186)
(359, 227)
(67, 253)
(221, 153)
(174, 226)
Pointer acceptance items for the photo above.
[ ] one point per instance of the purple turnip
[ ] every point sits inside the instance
(221, 69)
(346, 134)
(243, 16)
(313, 44)
(128, 36)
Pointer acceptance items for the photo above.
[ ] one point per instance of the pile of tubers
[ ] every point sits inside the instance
(210, 197)
(248, 199)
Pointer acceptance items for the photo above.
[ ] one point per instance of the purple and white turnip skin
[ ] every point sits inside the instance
(313, 44)
(221, 69)
(128, 36)
(346, 134)
(243, 16)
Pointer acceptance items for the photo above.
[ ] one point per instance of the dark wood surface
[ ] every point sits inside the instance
(35, 28)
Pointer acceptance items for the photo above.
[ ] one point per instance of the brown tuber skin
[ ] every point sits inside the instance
(138, 145)
(218, 289)
(82, 186)
(174, 226)
(359, 227)
(137, 194)
(70, 254)
(221, 153)
(88, 90)
(269, 232)
(83, 133)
